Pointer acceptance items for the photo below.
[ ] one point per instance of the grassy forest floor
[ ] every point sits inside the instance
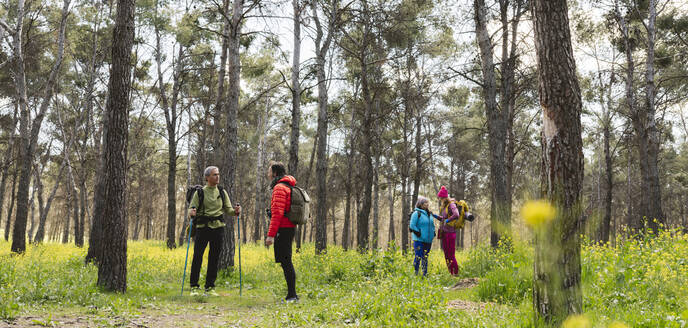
(642, 283)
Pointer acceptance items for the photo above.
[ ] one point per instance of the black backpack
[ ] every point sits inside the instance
(190, 191)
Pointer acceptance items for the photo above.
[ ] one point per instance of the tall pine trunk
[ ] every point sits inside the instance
(322, 46)
(649, 163)
(557, 265)
(29, 130)
(13, 195)
(112, 264)
(232, 107)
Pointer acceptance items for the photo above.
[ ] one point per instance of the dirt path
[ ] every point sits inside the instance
(465, 283)
(144, 320)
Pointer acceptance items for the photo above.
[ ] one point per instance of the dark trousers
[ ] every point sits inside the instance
(283, 245)
(205, 236)
(421, 251)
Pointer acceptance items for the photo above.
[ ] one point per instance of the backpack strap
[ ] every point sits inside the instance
(222, 195)
(200, 194)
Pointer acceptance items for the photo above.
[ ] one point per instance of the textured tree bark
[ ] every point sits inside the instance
(67, 218)
(367, 170)
(29, 135)
(376, 205)
(418, 152)
(653, 215)
(221, 97)
(32, 213)
(391, 235)
(6, 163)
(169, 107)
(112, 268)
(322, 46)
(499, 118)
(557, 267)
(228, 172)
(79, 239)
(259, 213)
(608, 174)
(405, 174)
(44, 210)
(13, 197)
(293, 165)
(346, 235)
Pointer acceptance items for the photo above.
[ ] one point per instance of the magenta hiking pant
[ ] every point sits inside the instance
(449, 247)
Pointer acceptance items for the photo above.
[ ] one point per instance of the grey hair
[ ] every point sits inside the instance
(209, 170)
(421, 200)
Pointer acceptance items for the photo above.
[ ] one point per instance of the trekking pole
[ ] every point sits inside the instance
(239, 243)
(186, 259)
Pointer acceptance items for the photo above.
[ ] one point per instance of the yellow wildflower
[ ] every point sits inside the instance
(617, 324)
(536, 213)
(576, 321)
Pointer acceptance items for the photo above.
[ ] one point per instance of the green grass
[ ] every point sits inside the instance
(643, 283)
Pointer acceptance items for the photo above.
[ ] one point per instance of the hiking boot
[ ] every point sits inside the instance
(211, 292)
(291, 299)
(195, 291)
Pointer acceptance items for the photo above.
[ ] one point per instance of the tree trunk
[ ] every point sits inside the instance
(376, 205)
(633, 223)
(7, 162)
(653, 214)
(346, 238)
(606, 221)
(3, 186)
(419, 160)
(67, 218)
(169, 107)
(259, 213)
(82, 214)
(229, 163)
(293, 165)
(44, 210)
(557, 266)
(500, 206)
(32, 213)
(13, 195)
(392, 236)
(29, 136)
(334, 224)
(322, 47)
(112, 269)
(405, 173)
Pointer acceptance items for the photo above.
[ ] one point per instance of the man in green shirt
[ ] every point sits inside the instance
(209, 221)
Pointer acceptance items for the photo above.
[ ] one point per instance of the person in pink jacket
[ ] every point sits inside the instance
(448, 212)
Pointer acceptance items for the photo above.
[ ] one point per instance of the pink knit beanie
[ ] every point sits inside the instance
(443, 192)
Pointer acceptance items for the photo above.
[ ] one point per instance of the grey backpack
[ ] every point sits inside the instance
(299, 211)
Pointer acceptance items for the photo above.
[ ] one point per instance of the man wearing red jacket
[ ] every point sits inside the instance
(281, 232)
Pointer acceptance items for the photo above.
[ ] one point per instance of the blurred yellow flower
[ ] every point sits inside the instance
(537, 212)
(617, 324)
(576, 321)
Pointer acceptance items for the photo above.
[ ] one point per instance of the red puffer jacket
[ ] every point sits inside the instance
(280, 204)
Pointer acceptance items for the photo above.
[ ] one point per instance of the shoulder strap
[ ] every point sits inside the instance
(199, 192)
(222, 195)
(286, 184)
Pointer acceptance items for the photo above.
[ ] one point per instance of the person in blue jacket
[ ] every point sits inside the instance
(423, 229)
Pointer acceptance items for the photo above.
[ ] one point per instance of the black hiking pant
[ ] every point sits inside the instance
(205, 236)
(283, 245)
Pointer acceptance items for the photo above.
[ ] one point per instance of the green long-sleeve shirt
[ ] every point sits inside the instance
(212, 206)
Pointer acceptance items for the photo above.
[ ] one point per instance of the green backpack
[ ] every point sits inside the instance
(299, 211)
